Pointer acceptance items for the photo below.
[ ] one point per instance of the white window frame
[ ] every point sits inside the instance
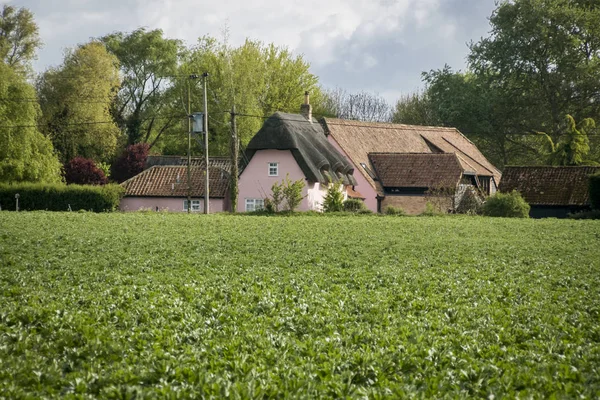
(251, 204)
(195, 205)
(273, 166)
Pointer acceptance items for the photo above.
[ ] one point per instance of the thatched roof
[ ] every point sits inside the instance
(417, 170)
(171, 181)
(357, 139)
(549, 186)
(317, 158)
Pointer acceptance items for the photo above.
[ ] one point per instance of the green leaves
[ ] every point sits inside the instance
(161, 305)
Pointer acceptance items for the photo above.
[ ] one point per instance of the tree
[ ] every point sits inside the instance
(539, 63)
(131, 162)
(259, 79)
(144, 106)
(334, 198)
(19, 37)
(25, 154)
(415, 109)
(573, 145)
(83, 171)
(75, 100)
(543, 57)
(362, 106)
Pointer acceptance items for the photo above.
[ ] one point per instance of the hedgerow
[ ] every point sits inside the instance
(59, 197)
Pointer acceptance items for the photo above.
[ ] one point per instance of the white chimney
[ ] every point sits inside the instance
(306, 108)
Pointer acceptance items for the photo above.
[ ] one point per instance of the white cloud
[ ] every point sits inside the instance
(358, 44)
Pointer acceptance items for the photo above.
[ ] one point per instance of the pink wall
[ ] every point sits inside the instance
(255, 182)
(173, 204)
(363, 186)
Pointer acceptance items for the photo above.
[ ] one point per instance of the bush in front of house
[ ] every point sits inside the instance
(334, 198)
(83, 171)
(510, 205)
(391, 210)
(353, 205)
(471, 203)
(58, 197)
(594, 191)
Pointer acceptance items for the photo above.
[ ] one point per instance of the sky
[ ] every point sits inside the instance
(379, 46)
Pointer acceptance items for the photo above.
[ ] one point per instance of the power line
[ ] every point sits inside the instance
(81, 123)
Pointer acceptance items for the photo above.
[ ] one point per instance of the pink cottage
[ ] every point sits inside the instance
(292, 145)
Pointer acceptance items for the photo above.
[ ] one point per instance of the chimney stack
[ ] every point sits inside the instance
(306, 108)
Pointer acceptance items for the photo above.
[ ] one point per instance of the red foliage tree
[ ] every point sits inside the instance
(83, 171)
(131, 162)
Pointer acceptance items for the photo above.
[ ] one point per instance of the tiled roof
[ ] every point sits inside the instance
(223, 163)
(171, 181)
(357, 139)
(353, 194)
(422, 170)
(550, 186)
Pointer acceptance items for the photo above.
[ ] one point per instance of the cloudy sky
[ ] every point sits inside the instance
(380, 46)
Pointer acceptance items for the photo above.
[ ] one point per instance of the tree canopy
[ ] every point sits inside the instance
(25, 154)
(75, 99)
(148, 63)
(540, 62)
(19, 37)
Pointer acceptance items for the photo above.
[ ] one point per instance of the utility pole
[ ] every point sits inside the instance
(206, 186)
(234, 162)
(189, 155)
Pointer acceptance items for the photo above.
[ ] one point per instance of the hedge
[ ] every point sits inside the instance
(510, 205)
(594, 188)
(58, 197)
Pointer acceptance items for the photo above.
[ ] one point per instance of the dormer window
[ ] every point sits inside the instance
(273, 169)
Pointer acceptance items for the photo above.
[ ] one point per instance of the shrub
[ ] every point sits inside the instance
(594, 189)
(390, 210)
(471, 203)
(83, 171)
(594, 214)
(431, 210)
(354, 205)
(292, 192)
(58, 197)
(334, 199)
(276, 197)
(510, 205)
(131, 162)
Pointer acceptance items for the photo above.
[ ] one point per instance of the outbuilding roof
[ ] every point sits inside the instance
(316, 157)
(549, 186)
(417, 170)
(223, 163)
(171, 181)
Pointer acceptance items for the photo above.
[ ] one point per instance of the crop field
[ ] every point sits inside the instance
(175, 306)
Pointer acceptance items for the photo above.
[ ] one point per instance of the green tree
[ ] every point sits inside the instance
(540, 62)
(19, 37)
(543, 57)
(75, 100)
(259, 79)
(334, 198)
(25, 154)
(573, 146)
(415, 109)
(145, 105)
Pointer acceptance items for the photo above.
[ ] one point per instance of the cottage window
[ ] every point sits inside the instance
(254, 204)
(195, 205)
(273, 169)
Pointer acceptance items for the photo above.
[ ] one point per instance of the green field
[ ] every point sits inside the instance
(178, 306)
